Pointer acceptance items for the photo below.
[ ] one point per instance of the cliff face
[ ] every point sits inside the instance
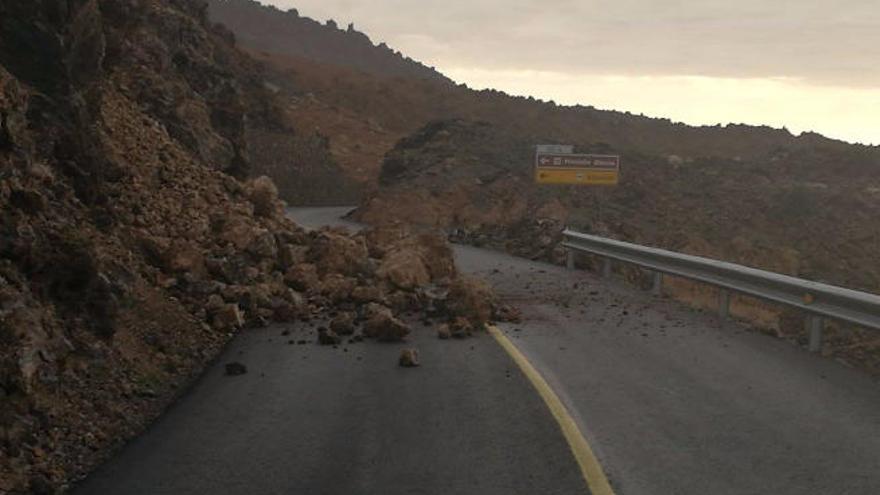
(131, 246)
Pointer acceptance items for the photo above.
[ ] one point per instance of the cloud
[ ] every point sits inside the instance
(817, 41)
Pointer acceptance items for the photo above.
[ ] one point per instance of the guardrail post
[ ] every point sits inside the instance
(815, 324)
(606, 267)
(657, 286)
(724, 303)
(569, 259)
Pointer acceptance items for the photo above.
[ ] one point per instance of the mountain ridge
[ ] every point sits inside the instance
(369, 111)
(265, 27)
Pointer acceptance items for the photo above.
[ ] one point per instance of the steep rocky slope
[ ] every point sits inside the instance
(133, 245)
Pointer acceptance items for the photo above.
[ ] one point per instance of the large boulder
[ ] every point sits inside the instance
(405, 268)
(238, 231)
(262, 244)
(437, 255)
(337, 288)
(302, 277)
(334, 252)
(367, 294)
(381, 238)
(228, 318)
(472, 299)
(343, 323)
(291, 255)
(383, 326)
(409, 261)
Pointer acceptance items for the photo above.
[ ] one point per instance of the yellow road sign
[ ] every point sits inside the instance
(576, 176)
(570, 168)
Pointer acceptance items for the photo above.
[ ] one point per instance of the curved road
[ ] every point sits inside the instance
(673, 401)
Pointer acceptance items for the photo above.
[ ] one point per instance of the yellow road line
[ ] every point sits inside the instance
(586, 459)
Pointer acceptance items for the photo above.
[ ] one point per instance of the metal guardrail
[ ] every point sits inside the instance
(817, 299)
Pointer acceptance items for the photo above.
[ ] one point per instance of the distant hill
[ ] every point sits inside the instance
(266, 28)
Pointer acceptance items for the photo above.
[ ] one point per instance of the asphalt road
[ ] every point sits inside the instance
(677, 401)
(673, 401)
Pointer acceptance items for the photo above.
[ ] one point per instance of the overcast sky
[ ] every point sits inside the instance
(806, 64)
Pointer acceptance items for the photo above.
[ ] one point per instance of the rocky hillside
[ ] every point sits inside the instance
(819, 222)
(266, 28)
(133, 245)
(812, 211)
